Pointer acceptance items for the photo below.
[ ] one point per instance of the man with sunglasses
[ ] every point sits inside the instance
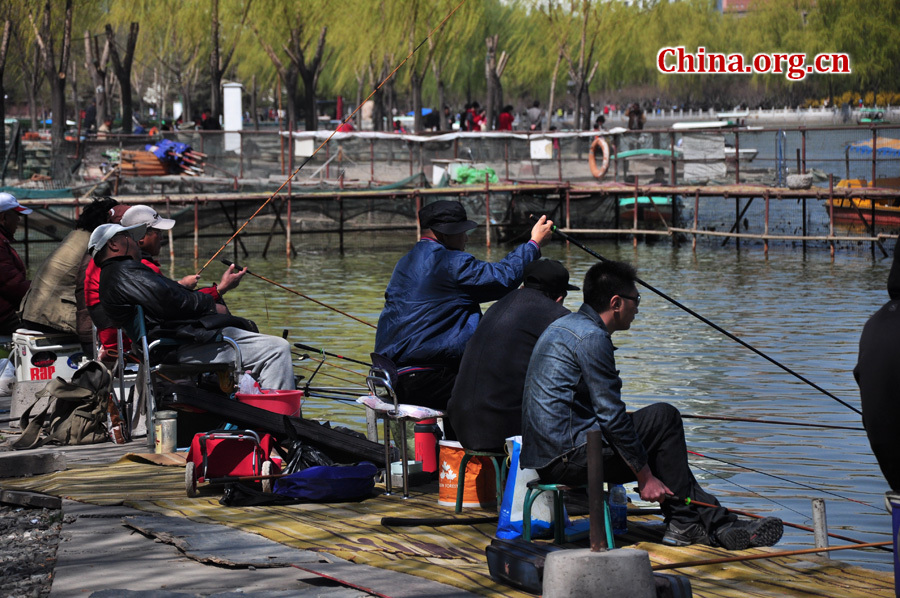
(573, 387)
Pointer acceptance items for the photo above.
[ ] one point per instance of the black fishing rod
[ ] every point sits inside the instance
(324, 352)
(706, 321)
(778, 477)
(290, 290)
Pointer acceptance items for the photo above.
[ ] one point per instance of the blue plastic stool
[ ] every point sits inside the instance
(534, 489)
(499, 473)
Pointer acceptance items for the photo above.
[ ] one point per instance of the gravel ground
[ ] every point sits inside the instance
(28, 541)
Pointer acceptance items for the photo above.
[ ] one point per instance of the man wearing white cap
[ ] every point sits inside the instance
(126, 283)
(13, 282)
(151, 243)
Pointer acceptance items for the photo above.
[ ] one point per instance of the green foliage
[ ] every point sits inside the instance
(367, 38)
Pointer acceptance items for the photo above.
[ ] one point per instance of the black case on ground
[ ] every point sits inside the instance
(518, 563)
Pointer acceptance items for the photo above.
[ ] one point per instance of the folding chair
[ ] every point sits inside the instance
(152, 365)
(383, 375)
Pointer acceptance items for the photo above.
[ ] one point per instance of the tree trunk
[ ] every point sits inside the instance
(553, 89)
(415, 84)
(490, 75)
(122, 68)
(4, 46)
(95, 63)
(56, 75)
(253, 108)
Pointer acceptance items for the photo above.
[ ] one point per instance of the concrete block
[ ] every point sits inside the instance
(16, 465)
(585, 574)
(24, 498)
(23, 397)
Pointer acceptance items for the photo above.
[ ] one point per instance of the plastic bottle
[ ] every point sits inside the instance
(618, 509)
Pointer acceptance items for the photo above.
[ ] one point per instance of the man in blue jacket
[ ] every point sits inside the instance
(432, 303)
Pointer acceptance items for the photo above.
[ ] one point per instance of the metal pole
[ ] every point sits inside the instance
(737, 159)
(766, 241)
(696, 216)
(487, 210)
(874, 162)
(820, 524)
(803, 150)
(196, 230)
(595, 492)
(831, 213)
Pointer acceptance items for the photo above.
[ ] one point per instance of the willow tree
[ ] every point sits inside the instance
(299, 25)
(5, 34)
(122, 60)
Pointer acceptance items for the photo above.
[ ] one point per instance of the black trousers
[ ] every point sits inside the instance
(661, 431)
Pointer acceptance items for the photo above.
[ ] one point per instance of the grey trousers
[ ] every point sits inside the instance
(266, 357)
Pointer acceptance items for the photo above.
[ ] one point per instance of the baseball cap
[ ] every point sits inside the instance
(444, 216)
(116, 213)
(9, 202)
(547, 275)
(141, 214)
(103, 233)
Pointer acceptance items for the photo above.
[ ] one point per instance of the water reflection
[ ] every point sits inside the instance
(805, 312)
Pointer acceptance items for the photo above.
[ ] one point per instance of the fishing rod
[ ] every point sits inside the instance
(769, 421)
(783, 479)
(290, 290)
(706, 321)
(690, 501)
(324, 352)
(768, 555)
(321, 145)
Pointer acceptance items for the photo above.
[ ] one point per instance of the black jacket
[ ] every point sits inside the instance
(486, 405)
(125, 282)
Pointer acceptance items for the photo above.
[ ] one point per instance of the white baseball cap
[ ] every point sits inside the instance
(9, 202)
(103, 233)
(141, 214)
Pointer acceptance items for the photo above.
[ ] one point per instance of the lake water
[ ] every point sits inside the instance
(806, 312)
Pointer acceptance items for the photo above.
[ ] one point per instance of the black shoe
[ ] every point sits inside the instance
(732, 536)
(685, 534)
(764, 532)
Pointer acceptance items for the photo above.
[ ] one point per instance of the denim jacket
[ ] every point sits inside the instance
(431, 305)
(572, 387)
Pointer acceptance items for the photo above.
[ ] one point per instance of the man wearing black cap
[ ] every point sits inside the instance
(486, 405)
(431, 305)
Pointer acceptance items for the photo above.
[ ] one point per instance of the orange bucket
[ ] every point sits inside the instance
(480, 488)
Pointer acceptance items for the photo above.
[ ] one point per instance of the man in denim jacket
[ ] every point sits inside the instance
(573, 386)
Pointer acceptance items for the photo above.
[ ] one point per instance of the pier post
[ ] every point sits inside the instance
(595, 491)
(831, 214)
(820, 524)
(487, 210)
(766, 240)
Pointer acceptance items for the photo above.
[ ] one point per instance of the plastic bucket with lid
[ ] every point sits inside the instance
(480, 488)
(285, 402)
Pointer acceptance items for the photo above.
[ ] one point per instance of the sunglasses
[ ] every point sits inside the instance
(636, 298)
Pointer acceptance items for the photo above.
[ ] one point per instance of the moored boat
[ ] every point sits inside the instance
(650, 208)
(854, 210)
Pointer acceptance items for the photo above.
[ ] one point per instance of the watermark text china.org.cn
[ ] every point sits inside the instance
(794, 66)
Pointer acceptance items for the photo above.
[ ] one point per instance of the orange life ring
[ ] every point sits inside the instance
(592, 161)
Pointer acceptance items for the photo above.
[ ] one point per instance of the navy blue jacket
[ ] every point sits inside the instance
(431, 305)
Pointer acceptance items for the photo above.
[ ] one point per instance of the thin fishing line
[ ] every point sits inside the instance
(753, 492)
(770, 421)
(706, 321)
(321, 145)
(783, 479)
(334, 365)
(324, 374)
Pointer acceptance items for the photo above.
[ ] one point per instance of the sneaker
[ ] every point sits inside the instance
(732, 536)
(764, 532)
(685, 534)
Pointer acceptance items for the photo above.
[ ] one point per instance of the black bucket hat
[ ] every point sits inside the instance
(447, 217)
(548, 275)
